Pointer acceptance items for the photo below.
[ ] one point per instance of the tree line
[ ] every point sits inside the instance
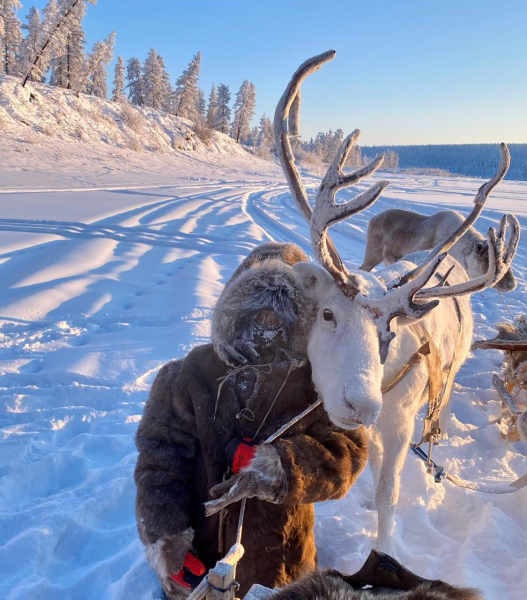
(323, 148)
(473, 160)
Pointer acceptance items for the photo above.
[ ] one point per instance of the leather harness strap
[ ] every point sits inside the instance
(435, 384)
(438, 392)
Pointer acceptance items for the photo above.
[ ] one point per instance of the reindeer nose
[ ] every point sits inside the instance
(365, 412)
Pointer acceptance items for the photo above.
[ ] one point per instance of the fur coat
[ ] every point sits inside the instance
(188, 422)
(380, 578)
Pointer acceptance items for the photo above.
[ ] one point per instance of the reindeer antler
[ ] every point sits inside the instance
(500, 259)
(479, 202)
(327, 212)
(401, 294)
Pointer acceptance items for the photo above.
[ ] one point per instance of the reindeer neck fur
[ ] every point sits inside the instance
(436, 322)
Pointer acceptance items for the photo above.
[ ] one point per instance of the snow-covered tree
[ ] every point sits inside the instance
(134, 74)
(212, 108)
(201, 105)
(118, 80)
(30, 46)
(223, 111)
(266, 132)
(10, 35)
(243, 111)
(68, 65)
(96, 67)
(154, 81)
(186, 94)
(167, 87)
(62, 42)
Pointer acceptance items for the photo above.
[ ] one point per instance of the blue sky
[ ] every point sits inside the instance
(406, 71)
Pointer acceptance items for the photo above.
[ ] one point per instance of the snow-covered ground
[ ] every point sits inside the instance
(110, 265)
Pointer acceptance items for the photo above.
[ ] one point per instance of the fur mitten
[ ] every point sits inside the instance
(264, 478)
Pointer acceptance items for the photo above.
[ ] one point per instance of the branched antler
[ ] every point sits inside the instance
(500, 259)
(404, 295)
(479, 202)
(327, 212)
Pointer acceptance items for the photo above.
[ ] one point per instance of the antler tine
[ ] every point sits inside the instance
(500, 259)
(514, 239)
(327, 212)
(290, 103)
(479, 202)
(342, 156)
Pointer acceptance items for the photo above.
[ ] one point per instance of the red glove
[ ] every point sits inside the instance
(192, 572)
(240, 453)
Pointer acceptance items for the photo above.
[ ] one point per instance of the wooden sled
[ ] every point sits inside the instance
(512, 340)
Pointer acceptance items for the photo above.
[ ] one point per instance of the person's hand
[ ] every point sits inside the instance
(240, 453)
(191, 573)
(264, 478)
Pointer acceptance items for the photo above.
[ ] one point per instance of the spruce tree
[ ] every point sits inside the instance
(165, 84)
(96, 74)
(61, 18)
(212, 108)
(134, 74)
(10, 35)
(30, 46)
(68, 66)
(243, 112)
(186, 94)
(266, 132)
(118, 80)
(223, 111)
(154, 82)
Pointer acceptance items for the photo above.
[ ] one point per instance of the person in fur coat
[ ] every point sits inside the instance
(202, 431)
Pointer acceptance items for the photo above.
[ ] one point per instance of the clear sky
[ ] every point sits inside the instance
(406, 71)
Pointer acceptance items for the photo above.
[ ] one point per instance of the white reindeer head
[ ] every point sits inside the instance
(350, 337)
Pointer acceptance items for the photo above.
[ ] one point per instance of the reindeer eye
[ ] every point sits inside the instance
(328, 315)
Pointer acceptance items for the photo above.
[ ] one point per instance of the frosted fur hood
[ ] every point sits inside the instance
(264, 281)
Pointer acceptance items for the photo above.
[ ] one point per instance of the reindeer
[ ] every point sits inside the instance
(395, 233)
(363, 333)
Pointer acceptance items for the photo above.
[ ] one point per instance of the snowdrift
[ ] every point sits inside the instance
(39, 112)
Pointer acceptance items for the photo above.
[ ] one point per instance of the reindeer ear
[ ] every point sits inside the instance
(312, 279)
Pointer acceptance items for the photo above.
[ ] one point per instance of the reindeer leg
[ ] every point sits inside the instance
(375, 454)
(398, 425)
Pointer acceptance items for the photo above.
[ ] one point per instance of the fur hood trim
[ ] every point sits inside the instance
(264, 280)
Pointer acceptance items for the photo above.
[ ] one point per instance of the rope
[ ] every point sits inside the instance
(293, 364)
(510, 313)
(234, 585)
(488, 488)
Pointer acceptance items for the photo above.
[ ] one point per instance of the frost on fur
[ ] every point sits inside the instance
(264, 281)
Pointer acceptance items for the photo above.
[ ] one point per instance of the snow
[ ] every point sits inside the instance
(111, 262)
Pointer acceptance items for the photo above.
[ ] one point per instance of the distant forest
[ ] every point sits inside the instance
(476, 160)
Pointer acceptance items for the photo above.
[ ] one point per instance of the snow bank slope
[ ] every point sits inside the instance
(104, 284)
(39, 110)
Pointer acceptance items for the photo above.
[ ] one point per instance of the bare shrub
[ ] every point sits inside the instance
(263, 152)
(186, 142)
(311, 160)
(132, 117)
(81, 134)
(48, 129)
(203, 131)
(134, 143)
